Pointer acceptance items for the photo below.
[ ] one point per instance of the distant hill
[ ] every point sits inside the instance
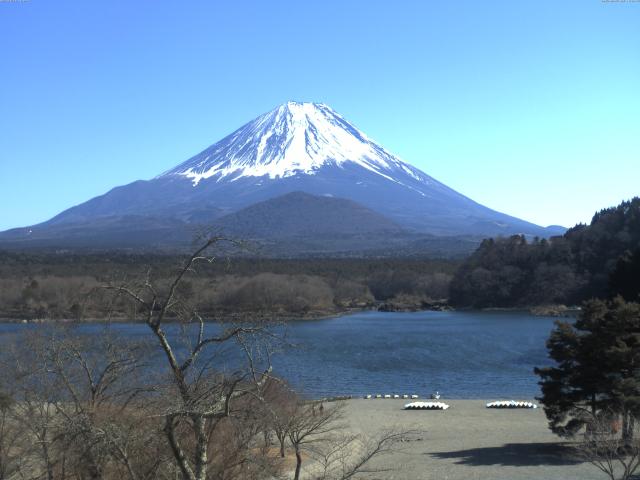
(300, 214)
(300, 224)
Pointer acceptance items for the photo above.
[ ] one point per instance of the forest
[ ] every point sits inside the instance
(600, 260)
(65, 285)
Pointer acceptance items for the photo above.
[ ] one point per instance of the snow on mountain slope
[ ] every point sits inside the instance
(297, 147)
(294, 138)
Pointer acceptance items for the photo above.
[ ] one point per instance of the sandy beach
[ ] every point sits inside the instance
(468, 442)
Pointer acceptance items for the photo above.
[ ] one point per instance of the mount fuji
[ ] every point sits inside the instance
(279, 169)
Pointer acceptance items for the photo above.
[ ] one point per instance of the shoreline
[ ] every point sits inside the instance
(558, 311)
(220, 317)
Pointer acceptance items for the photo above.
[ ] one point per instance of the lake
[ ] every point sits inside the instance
(460, 354)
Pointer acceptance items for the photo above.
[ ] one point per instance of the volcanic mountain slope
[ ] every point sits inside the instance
(297, 147)
(300, 224)
(300, 214)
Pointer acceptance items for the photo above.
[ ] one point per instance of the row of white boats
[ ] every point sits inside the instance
(443, 406)
(511, 404)
(392, 396)
(426, 406)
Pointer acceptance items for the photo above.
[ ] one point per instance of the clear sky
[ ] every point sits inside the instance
(529, 107)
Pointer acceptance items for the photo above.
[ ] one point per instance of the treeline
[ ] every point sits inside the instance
(600, 260)
(69, 286)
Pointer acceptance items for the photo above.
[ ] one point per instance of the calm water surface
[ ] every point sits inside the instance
(461, 354)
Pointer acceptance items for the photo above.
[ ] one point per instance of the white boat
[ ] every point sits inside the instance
(426, 406)
(511, 404)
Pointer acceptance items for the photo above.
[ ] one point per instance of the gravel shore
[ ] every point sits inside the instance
(468, 441)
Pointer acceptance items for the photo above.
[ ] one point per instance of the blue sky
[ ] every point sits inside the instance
(531, 108)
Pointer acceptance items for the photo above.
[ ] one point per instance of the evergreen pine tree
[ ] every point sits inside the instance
(597, 368)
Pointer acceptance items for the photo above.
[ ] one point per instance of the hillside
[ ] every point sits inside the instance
(596, 260)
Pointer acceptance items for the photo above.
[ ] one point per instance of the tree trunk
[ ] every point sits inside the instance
(625, 428)
(49, 467)
(202, 442)
(130, 470)
(45, 455)
(282, 440)
(178, 453)
(95, 472)
(296, 476)
(92, 465)
(628, 425)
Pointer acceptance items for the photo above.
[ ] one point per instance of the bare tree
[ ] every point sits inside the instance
(608, 448)
(36, 390)
(12, 439)
(79, 404)
(348, 456)
(318, 432)
(278, 409)
(201, 394)
(310, 425)
(98, 383)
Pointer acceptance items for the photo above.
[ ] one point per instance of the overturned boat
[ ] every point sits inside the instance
(511, 404)
(426, 406)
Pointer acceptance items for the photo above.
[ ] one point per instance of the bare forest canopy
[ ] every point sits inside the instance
(600, 260)
(67, 285)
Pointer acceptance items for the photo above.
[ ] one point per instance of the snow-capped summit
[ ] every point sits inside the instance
(274, 177)
(294, 138)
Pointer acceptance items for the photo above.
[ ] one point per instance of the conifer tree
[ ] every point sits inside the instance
(597, 368)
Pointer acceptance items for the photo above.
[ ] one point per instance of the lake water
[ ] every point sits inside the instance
(460, 354)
